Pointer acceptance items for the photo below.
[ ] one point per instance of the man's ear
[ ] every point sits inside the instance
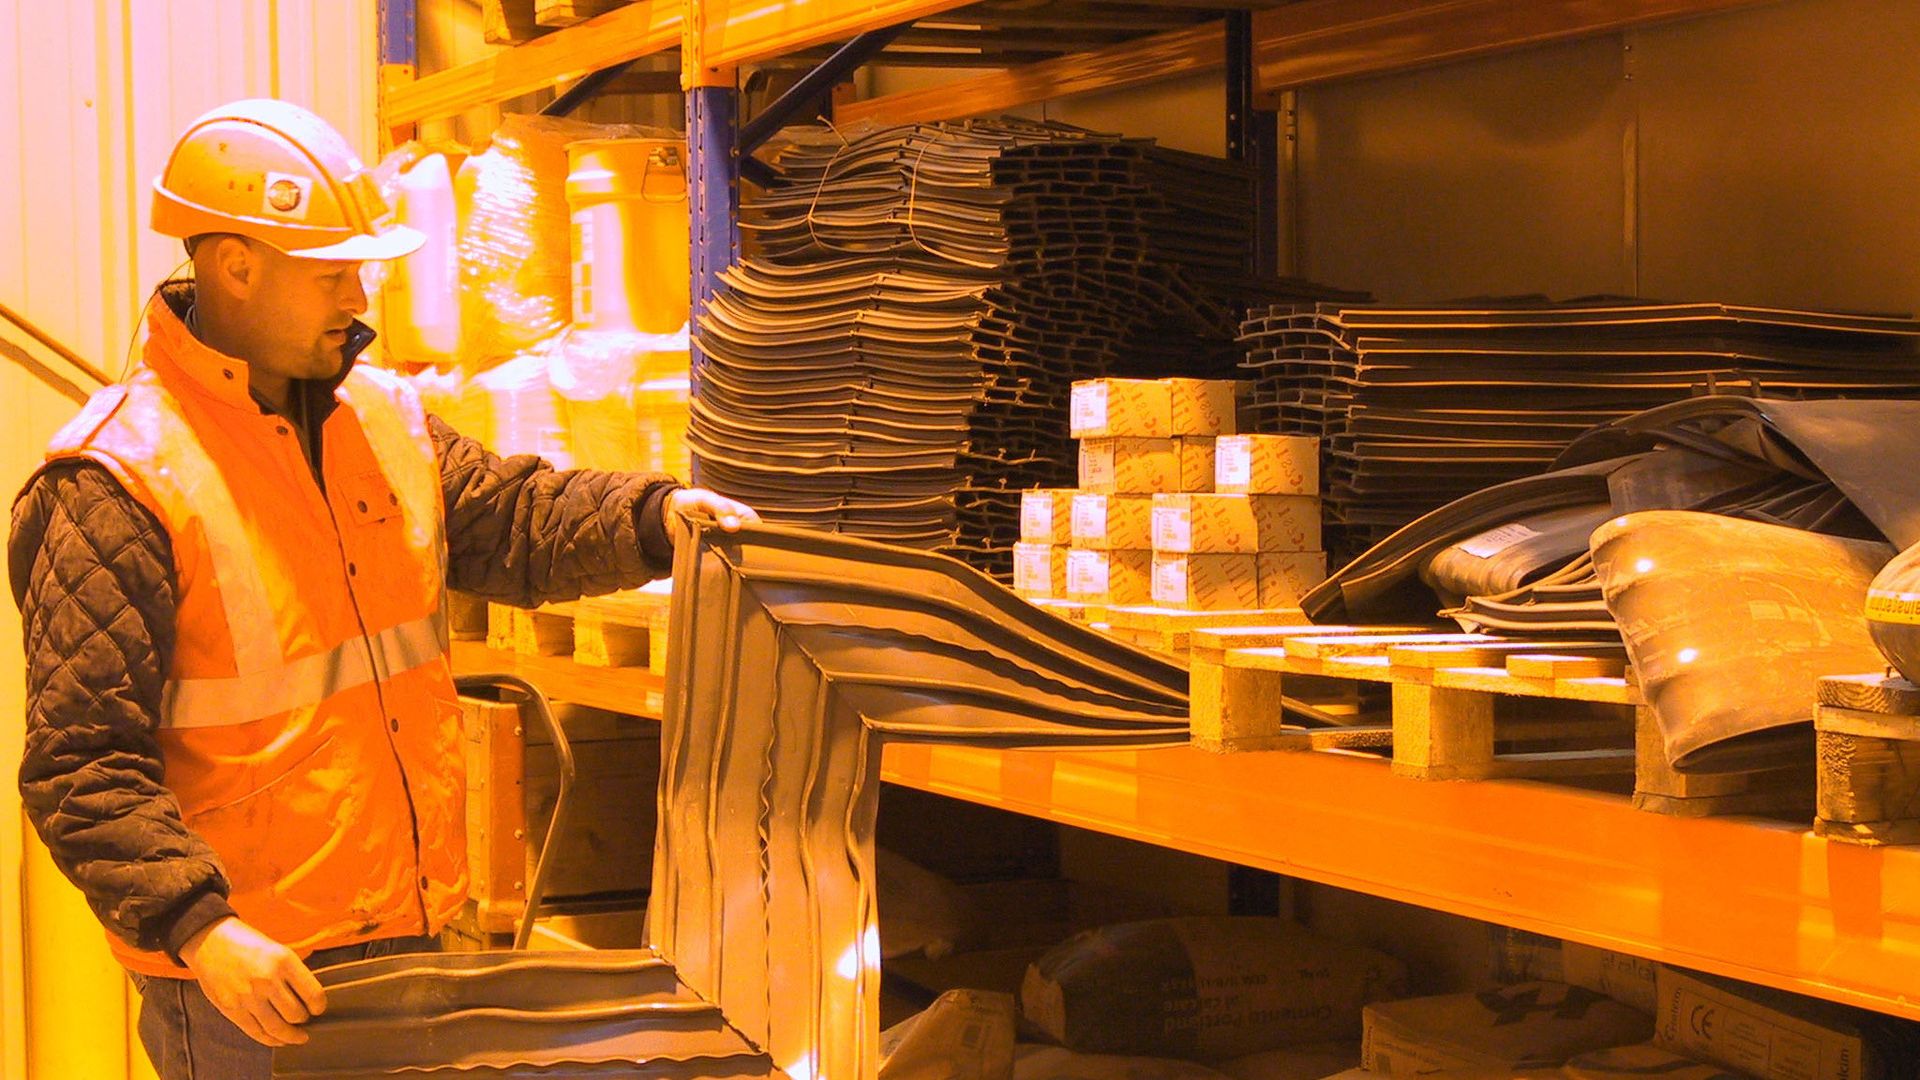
(232, 264)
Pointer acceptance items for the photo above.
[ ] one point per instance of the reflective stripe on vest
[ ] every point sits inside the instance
(304, 682)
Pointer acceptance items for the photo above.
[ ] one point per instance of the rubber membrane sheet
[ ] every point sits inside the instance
(892, 358)
(1417, 406)
(795, 657)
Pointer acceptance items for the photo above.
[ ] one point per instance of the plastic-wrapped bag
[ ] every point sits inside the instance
(523, 412)
(515, 271)
(419, 298)
(624, 398)
(963, 1035)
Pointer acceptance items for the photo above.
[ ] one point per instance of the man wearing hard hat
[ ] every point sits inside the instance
(243, 743)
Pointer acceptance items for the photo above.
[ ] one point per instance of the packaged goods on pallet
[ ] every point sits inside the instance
(1204, 988)
(1207, 582)
(1286, 576)
(1778, 1036)
(1267, 465)
(1107, 522)
(1040, 570)
(1418, 406)
(1519, 956)
(1643, 1061)
(963, 1035)
(1109, 577)
(1198, 462)
(1152, 408)
(1046, 516)
(1130, 466)
(1239, 524)
(1535, 1025)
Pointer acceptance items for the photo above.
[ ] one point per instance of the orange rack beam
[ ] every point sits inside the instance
(735, 32)
(636, 30)
(1753, 900)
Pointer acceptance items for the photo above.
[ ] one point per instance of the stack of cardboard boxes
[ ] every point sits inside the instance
(1174, 508)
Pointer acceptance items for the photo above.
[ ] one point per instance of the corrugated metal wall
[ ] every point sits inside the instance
(93, 95)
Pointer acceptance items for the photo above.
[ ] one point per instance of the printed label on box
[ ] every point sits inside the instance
(1170, 580)
(1232, 463)
(1089, 408)
(1096, 464)
(1494, 541)
(1036, 516)
(1086, 573)
(1172, 528)
(1090, 520)
(1033, 569)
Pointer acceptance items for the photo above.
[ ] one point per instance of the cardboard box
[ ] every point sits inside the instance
(1110, 577)
(1152, 408)
(1197, 462)
(1286, 576)
(1640, 1062)
(1106, 522)
(1537, 1025)
(1241, 524)
(1768, 1034)
(1205, 406)
(1046, 516)
(1628, 980)
(1040, 570)
(1267, 465)
(1129, 466)
(1206, 582)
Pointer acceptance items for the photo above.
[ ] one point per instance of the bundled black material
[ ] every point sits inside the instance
(1418, 406)
(893, 359)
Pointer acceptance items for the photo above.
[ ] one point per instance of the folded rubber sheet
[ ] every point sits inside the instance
(1825, 488)
(893, 357)
(1840, 467)
(795, 657)
(1420, 405)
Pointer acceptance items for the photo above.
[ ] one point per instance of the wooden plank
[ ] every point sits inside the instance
(1546, 765)
(632, 691)
(1441, 734)
(557, 13)
(1876, 692)
(497, 865)
(542, 632)
(1134, 617)
(1866, 724)
(508, 22)
(639, 28)
(1234, 709)
(1316, 41)
(598, 642)
(466, 617)
(1327, 647)
(1869, 788)
(1497, 681)
(729, 34)
(1135, 63)
(1563, 666)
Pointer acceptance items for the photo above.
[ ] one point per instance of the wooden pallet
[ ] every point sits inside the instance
(1462, 707)
(627, 629)
(1170, 630)
(1868, 732)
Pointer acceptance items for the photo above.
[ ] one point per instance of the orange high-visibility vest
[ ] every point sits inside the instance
(309, 725)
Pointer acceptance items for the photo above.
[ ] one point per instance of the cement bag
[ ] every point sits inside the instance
(963, 1035)
(523, 412)
(1059, 1063)
(1642, 1061)
(516, 274)
(1312, 1062)
(1527, 1026)
(1730, 624)
(1204, 988)
(1893, 613)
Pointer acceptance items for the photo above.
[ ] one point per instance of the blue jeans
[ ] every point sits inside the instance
(186, 1038)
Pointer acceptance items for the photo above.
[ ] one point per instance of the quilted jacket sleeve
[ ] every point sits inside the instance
(92, 573)
(522, 532)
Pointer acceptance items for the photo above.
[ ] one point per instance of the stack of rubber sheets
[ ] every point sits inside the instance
(1416, 406)
(894, 357)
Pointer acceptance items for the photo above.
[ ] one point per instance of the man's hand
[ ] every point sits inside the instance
(258, 983)
(731, 515)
